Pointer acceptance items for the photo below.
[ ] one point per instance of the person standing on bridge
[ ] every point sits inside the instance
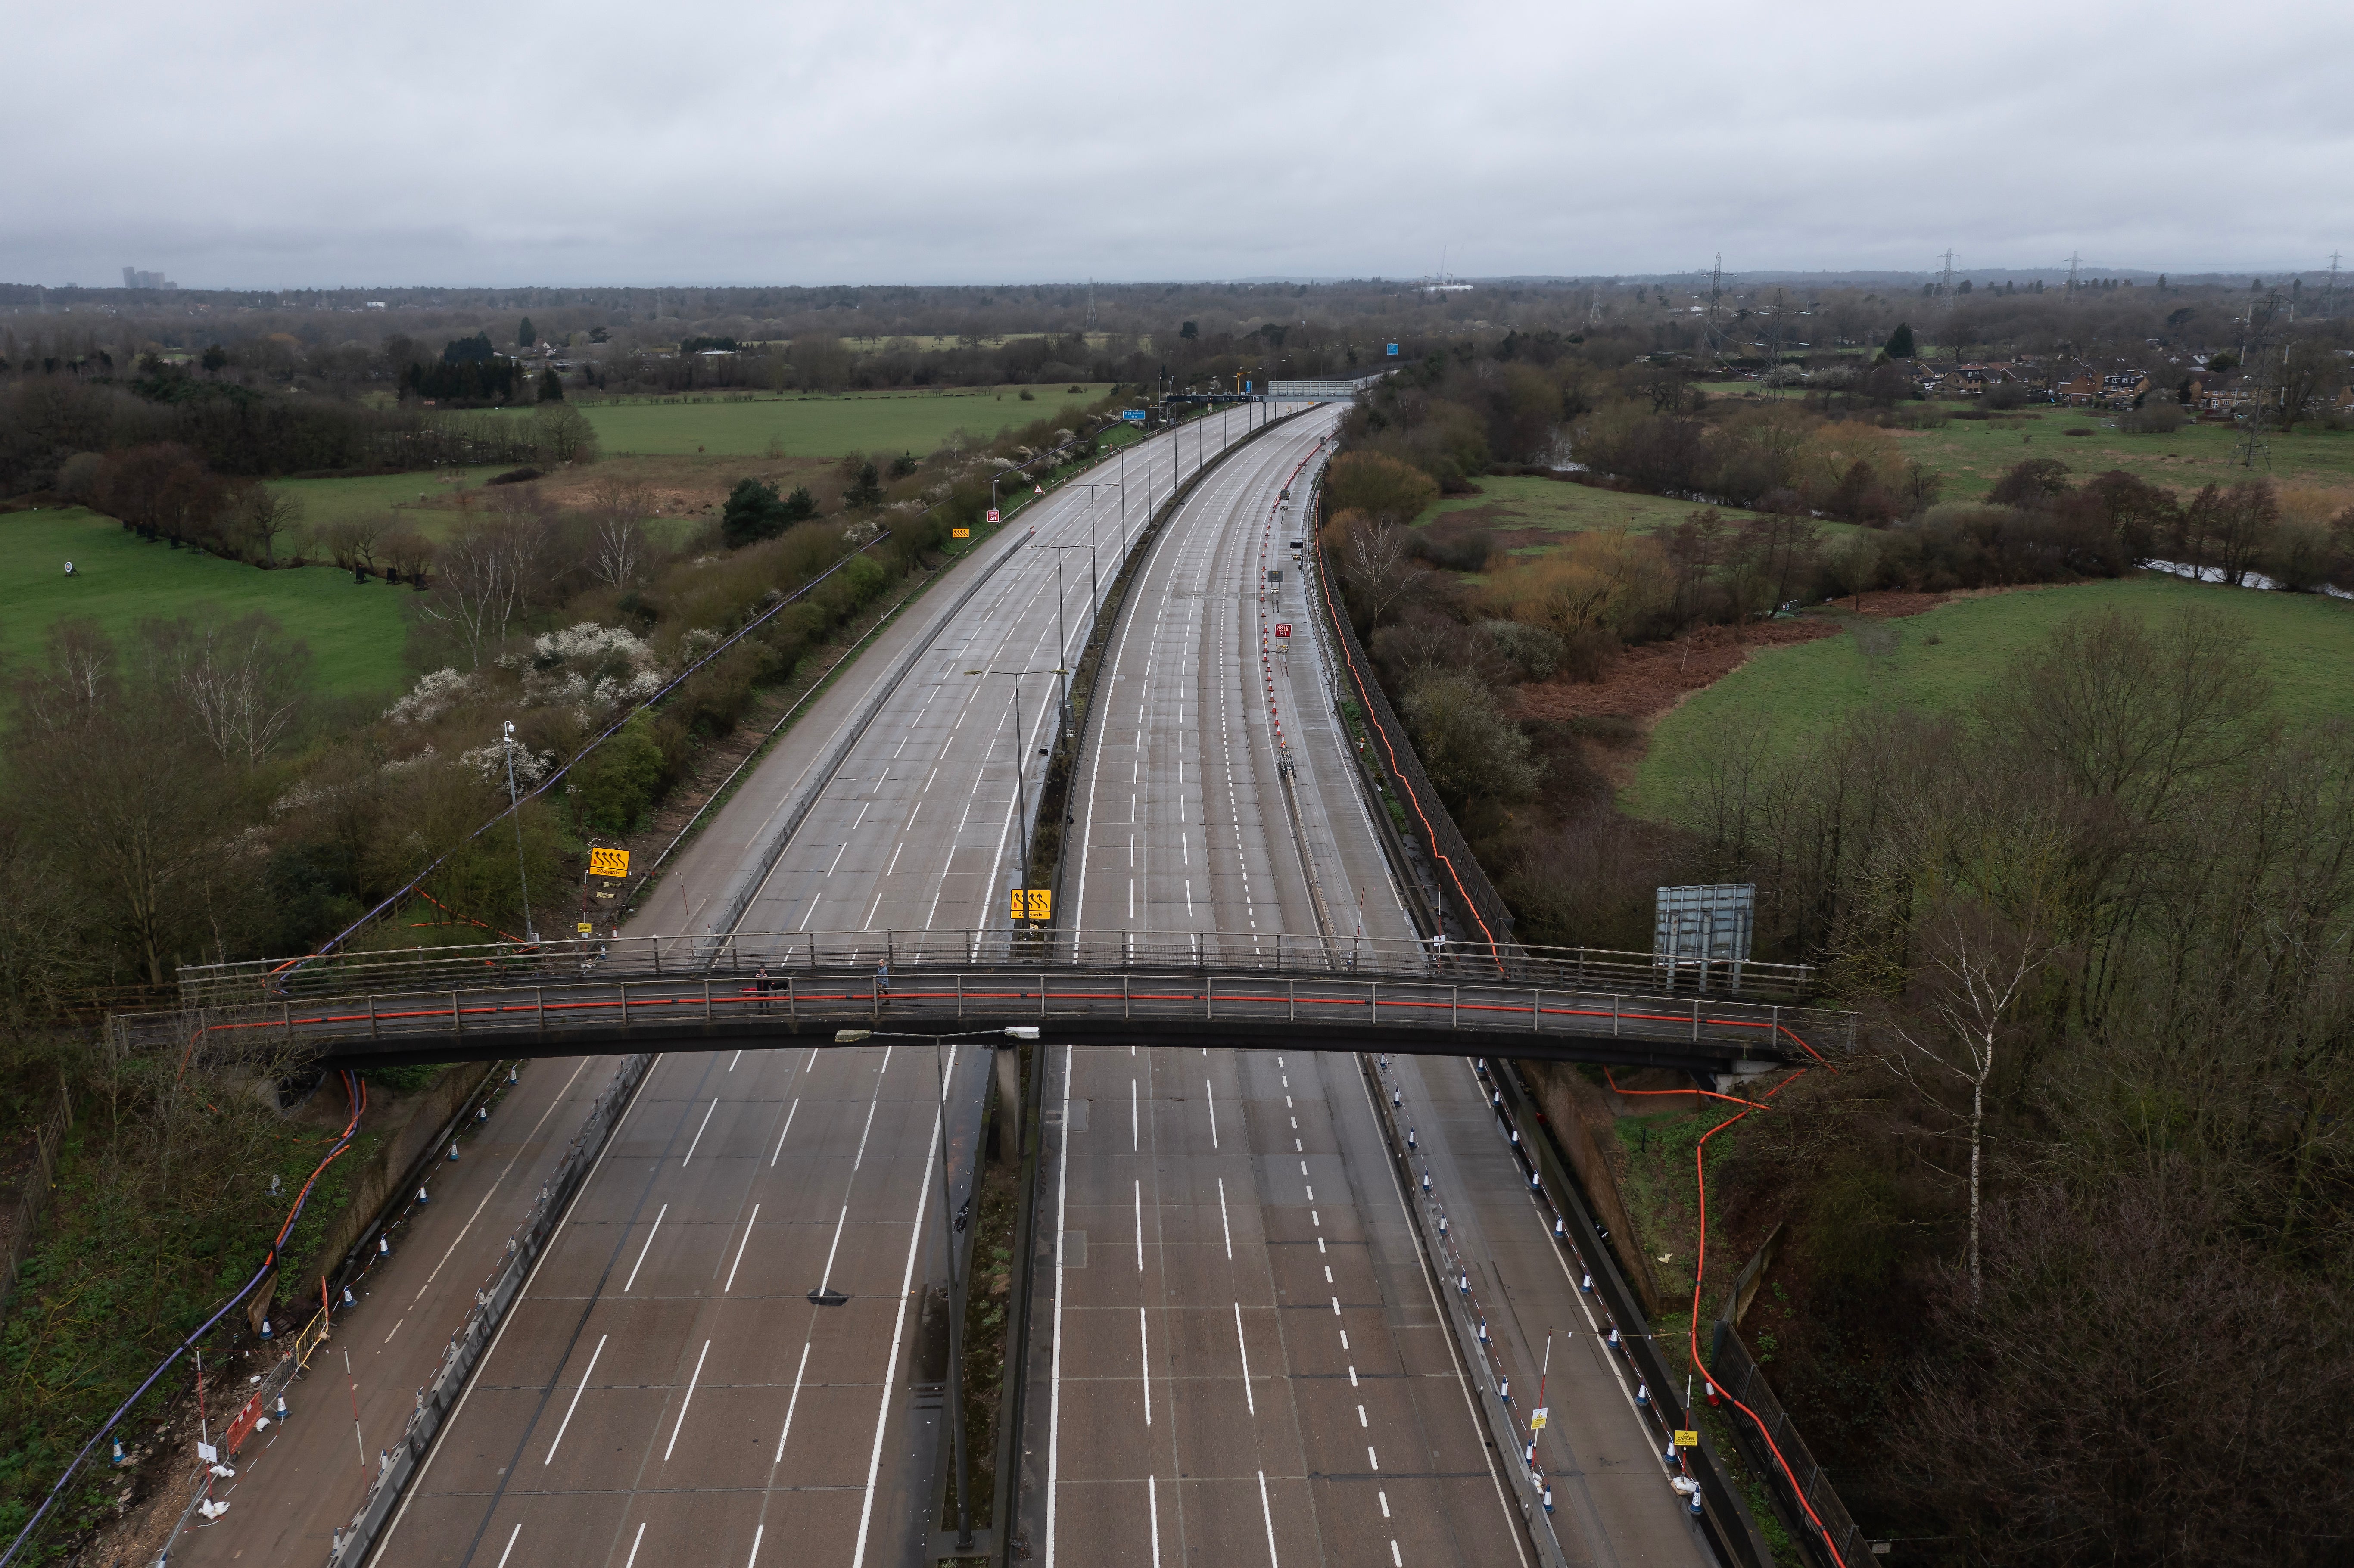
(763, 985)
(881, 983)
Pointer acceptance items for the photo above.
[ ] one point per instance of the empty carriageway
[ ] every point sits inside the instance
(707, 1364)
(1247, 1363)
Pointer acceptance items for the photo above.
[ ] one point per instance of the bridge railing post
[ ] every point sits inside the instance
(1614, 1015)
(706, 999)
(1696, 1008)
(792, 1014)
(372, 1029)
(539, 1007)
(625, 1007)
(457, 1018)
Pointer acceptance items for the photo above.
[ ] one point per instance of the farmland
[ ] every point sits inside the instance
(1942, 659)
(1974, 453)
(797, 426)
(355, 631)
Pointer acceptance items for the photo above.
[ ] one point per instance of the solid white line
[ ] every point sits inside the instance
(761, 1530)
(630, 1562)
(789, 1404)
(1268, 1510)
(739, 1250)
(1135, 1132)
(789, 1126)
(683, 1404)
(630, 1283)
(511, 1540)
(501, 1176)
(585, 1373)
(842, 1219)
(898, 1330)
(1213, 1096)
(1139, 1227)
(1152, 1503)
(1249, 1403)
(698, 1133)
(1223, 1225)
(1054, 1384)
(1144, 1359)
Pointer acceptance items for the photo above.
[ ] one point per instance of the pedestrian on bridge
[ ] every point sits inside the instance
(881, 983)
(763, 985)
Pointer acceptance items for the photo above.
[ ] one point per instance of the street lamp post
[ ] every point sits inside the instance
(1022, 763)
(514, 808)
(1061, 632)
(948, 1239)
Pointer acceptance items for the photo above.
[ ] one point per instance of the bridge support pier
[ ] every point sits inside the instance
(1009, 1118)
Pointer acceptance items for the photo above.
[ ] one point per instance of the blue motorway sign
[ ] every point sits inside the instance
(1133, 415)
(1393, 350)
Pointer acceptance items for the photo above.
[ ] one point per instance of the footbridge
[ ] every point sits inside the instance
(1250, 990)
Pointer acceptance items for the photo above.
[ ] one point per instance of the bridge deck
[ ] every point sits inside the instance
(1451, 1012)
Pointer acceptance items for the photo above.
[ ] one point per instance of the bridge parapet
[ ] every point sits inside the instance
(568, 961)
(1446, 1009)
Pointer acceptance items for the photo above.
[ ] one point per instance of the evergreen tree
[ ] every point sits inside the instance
(527, 334)
(1900, 342)
(551, 386)
(798, 507)
(752, 512)
(867, 488)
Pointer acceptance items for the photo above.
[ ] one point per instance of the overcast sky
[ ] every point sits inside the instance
(265, 143)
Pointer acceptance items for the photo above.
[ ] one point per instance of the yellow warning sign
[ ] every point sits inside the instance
(1537, 1419)
(1686, 1438)
(609, 862)
(586, 928)
(959, 532)
(1033, 903)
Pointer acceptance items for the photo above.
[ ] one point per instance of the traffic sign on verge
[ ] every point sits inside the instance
(1686, 1438)
(608, 861)
(992, 514)
(960, 533)
(1039, 902)
(1537, 1419)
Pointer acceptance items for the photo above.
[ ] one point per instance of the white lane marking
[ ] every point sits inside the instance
(866, 808)
(789, 1405)
(1352, 1377)
(511, 1540)
(1385, 1503)
(869, 1128)
(501, 1176)
(631, 1282)
(1212, 1099)
(1225, 1229)
(840, 1221)
(1360, 1417)
(694, 1377)
(1336, 1306)
(1135, 1132)
(1054, 1382)
(761, 1530)
(1144, 1360)
(789, 1126)
(898, 1330)
(1267, 1511)
(698, 1132)
(1372, 1463)
(748, 1241)
(928, 788)
(733, 1060)
(1139, 1227)
(585, 1373)
(1395, 1560)
(810, 911)
(837, 857)
(635, 1541)
(1344, 1339)
(894, 858)
(1152, 1505)
(1244, 1345)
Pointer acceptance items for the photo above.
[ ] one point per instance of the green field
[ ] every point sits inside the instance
(354, 632)
(795, 425)
(1511, 503)
(2306, 643)
(1974, 453)
(326, 501)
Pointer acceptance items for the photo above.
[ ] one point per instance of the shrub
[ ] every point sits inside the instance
(1471, 749)
(2157, 418)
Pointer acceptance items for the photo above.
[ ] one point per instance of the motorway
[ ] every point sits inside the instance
(666, 1389)
(1247, 1360)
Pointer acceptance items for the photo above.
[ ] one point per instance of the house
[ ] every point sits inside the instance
(2079, 390)
(2125, 385)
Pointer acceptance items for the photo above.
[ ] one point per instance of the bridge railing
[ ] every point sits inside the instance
(605, 959)
(502, 1010)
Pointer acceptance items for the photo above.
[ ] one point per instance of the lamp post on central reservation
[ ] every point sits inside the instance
(1021, 768)
(948, 1239)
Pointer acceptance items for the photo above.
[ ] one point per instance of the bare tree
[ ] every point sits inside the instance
(1977, 968)
(486, 574)
(620, 548)
(244, 683)
(266, 514)
(1377, 562)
